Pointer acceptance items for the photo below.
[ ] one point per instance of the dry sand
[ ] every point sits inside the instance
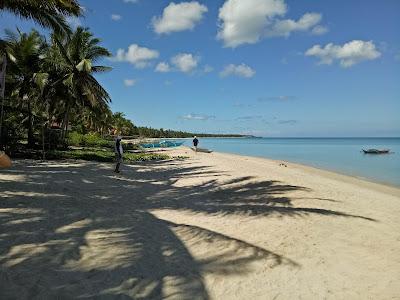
(213, 226)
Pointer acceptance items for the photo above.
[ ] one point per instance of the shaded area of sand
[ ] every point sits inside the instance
(213, 226)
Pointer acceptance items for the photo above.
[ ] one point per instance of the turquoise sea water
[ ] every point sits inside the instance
(341, 155)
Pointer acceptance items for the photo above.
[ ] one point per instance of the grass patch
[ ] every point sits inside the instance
(88, 140)
(96, 141)
(103, 156)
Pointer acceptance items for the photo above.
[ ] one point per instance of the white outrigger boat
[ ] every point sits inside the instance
(204, 150)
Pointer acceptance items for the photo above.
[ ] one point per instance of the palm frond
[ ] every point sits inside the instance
(85, 65)
(101, 69)
(49, 13)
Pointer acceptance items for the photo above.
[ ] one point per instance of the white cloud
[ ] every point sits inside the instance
(285, 27)
(179, 17)
(349, 54)
(115, 17)
(140, 57)
(319, 30)
(131, 1)
(163, 67)
(185, 62)
(129, 82)
(197, 117)
(244, 21)
(247, 22)
(241, 70)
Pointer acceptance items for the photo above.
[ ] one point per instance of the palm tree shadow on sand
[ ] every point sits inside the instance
(68, 236)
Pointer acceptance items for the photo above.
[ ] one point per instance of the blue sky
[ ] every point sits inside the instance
(262, 67)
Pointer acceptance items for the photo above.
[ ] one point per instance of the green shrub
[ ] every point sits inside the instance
(88, 140)
(91, 140)
(130, 146)
(94, 140)
(144, 156)
(103, 155)
(75, 139)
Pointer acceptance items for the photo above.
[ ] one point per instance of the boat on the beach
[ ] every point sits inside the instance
(376, 151)
(204, 150)
(162, 144)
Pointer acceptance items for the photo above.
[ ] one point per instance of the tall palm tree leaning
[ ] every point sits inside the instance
(47, 13)
(72, 56)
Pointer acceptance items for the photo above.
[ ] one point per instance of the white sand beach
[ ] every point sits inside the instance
(212, 226)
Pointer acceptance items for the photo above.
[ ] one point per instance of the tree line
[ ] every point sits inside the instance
(127, 128)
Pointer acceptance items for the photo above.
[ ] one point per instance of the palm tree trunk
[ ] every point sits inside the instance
(43, 148)
(31, 140)
(65, 121)
(2, 91)
(66, 125)
(45, 130)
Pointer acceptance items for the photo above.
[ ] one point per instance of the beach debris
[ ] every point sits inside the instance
(5, 161)
(283, 165)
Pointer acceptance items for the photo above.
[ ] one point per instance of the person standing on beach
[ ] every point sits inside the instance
(195, 143)
(118, 151)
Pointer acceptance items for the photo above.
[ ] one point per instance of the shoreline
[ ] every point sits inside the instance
(387, 182)
(362, 181)
(362, 178)
(333, 174)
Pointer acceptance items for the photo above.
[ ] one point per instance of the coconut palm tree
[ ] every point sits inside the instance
(98, 119)
(47, 13)
(53, 82)
(122, 124)
(23, 52)
(72, 58)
